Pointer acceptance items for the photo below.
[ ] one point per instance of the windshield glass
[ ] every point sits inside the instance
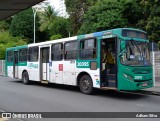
(137, 54)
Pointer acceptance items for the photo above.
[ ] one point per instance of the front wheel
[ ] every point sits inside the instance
(25, 78)
(86, 85)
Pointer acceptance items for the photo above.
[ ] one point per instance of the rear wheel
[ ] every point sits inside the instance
(25, 78)
(86, 85)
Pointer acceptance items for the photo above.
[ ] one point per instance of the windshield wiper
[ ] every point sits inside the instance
(134, 44)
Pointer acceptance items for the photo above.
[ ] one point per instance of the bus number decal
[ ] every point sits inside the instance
(138, 77)
(82, 64)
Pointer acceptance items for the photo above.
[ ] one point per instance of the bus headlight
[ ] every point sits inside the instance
(128, 77)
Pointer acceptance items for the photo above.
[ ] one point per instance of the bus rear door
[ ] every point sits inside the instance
(15, 64)
(44, 64)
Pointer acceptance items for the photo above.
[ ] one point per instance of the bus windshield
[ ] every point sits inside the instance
(137, 54)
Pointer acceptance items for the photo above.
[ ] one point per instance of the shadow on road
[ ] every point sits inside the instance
(97, 92)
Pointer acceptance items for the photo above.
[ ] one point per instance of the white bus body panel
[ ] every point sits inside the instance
(94, 74)
(69, 72)
(33, 71)
(10, 71)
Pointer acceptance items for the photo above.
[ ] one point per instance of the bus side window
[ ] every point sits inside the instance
(33, 54)
(88, 49)
(71, 50)
(9, 56)
(23, 54)
(57, 52)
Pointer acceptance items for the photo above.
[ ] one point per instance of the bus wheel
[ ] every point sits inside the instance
(25, 78)
(86, 85)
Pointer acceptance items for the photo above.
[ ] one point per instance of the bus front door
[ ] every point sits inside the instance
(109, 62)
(15, 65)
(44, 68)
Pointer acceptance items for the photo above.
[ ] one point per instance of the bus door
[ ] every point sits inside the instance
(15, 64)
(109, 62)
(44, 64)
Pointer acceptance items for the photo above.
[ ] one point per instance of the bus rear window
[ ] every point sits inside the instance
(134, 34)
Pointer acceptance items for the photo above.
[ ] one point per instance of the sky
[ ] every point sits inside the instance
(55, 3)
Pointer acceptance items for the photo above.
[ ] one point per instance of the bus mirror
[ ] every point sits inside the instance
(123, 46)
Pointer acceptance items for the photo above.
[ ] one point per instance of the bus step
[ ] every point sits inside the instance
(44, 82)
(108, 88)
(111, 77)
(111, 83)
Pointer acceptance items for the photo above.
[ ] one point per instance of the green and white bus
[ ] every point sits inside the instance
(79, 61)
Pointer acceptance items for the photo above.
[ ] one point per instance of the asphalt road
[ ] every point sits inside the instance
(17, 97)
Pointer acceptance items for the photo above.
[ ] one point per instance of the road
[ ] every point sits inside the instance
(17, 97)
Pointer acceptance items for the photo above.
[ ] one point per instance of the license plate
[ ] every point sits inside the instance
(145, 84)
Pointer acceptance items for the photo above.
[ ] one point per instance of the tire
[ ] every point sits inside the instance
(25, 78)
(86, 85)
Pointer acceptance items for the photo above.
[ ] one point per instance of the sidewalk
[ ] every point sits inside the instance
(156, 88)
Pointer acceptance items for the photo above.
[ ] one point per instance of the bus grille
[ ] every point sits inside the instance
(141, 71)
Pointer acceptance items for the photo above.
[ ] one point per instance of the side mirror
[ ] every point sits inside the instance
(123, 45)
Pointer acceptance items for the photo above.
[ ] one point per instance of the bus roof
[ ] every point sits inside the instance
(17, 47)
(116, 31)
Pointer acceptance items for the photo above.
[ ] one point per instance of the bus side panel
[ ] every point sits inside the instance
(20, 71)
(33, 71)
(57, 72)
(10, 71)
(69, 74)
(94, 74)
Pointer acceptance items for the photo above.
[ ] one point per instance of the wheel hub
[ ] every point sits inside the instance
(85, 84)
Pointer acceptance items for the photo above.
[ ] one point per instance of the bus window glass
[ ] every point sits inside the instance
(71, 50)
(57, 52)
(134, 34)
(137, 54)
(23, 54)
(33, 54)
(88, 49)
(10, 56)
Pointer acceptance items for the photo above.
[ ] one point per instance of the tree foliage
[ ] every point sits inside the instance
(6, 40)
(150, 18)
(22, 25)
(47, 17)
(76, 10)
(106, 14)
(60, 26)
(54, 37)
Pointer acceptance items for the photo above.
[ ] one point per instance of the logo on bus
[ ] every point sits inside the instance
(32, 65)
(83, 64)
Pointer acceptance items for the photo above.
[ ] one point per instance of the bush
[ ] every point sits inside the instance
(6, 41)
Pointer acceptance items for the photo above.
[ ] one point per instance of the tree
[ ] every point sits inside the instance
(150, 19)
(60, 26)
(22, 25)
(76, 9)
(106, 14)
(47, 17)
(6, 40)
(4, 26)
(57, 36)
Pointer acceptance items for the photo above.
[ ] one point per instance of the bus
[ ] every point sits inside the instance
(117, 59)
